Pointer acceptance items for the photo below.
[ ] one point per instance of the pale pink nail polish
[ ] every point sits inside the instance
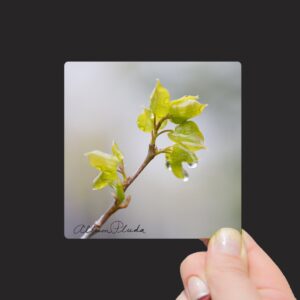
(197, 289)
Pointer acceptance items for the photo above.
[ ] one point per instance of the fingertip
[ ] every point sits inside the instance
(226, 271)
(249, 241)
(193, 264)
(192, 268)
(263, 271)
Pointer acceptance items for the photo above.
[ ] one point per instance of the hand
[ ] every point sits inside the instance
(233, 268)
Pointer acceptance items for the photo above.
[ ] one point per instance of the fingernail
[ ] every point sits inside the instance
(182, 296)
(197, 289)
(227, 240)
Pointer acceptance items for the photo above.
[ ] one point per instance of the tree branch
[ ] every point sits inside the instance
(98, 224)
(152, 152)
(127, 182)
(164, 131)
(160, 122)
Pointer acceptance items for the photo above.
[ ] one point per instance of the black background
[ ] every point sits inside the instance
(40, 38)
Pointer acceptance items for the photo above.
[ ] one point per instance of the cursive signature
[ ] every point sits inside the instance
(114, 227)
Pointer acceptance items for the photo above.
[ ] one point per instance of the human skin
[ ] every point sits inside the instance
(233, 268)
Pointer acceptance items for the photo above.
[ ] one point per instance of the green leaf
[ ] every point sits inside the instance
(188, 135)
(160, 100)
(105, 163)
(103, 179)
(119, 190)
(145, 120)
(185, 108)
(178, 155)
(102, 161)
(117, 152)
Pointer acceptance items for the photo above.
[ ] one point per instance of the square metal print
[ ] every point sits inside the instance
(152, 149)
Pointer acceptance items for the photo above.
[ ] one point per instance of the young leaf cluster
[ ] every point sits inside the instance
(108, 166)
(186, 136)
(186, 139)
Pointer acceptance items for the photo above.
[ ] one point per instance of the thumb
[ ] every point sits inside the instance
(226, 267)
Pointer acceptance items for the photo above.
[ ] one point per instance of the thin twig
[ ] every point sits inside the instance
(152, 152)
(129, 180)
(98, 224)
(161, 152)
(164, 131)
(160, 122)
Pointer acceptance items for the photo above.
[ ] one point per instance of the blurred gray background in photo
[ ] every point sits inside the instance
(102, 102)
